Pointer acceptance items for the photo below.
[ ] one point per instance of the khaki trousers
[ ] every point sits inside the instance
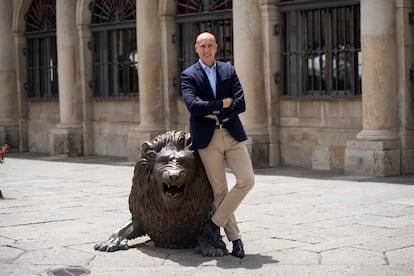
(224, 148)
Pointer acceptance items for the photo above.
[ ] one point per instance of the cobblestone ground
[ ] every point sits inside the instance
(294, 222)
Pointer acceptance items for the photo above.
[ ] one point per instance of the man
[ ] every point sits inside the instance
(214, 97)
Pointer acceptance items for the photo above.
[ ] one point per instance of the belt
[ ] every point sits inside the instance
(219, 126)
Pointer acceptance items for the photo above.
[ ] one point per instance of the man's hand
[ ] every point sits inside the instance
(227, 102)
(211, 116)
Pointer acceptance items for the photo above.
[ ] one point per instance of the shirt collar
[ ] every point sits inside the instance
(205, 67)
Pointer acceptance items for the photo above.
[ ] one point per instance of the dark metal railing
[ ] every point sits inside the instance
(41, 50)
(114, 46)
(321, 52)
(196, 16)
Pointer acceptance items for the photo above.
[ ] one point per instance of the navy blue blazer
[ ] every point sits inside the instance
(194, 83)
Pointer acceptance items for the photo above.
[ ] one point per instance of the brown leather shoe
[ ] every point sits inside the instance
(238, 250)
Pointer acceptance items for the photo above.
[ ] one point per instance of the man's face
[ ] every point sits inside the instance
(206, 48)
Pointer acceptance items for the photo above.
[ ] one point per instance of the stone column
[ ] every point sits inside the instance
(149, 75)
(248, 60)
(9, 116)
(376, 149)
(270, 17)
(67, 138)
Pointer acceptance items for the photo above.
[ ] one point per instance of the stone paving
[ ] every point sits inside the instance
(294, 222)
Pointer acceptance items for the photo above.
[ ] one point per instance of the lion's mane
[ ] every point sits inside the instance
(171, 226)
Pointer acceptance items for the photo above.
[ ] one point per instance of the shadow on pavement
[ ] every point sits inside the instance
(186, 257)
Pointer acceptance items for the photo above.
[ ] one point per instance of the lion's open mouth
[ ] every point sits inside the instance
(173, 191)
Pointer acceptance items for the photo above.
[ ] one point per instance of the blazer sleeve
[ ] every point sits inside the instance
(238, 106)
(192, 87)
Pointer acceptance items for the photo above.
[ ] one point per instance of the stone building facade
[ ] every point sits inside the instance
(314, 99)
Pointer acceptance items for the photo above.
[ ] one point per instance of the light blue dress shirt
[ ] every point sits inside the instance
(211, 74)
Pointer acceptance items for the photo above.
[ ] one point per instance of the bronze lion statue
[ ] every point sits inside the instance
(170, 198)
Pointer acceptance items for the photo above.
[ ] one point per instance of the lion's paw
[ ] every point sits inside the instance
(211, 251)
(114, 243)
(217, 249)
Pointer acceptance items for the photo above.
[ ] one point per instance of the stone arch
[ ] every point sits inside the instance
(83, 13)
(18, 15)
(167, 7)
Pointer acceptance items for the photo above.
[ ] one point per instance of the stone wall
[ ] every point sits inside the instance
(313, 134)
(42, 117)
(348, 134)
(112, 121)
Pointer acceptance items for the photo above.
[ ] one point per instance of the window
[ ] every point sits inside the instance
(321, 48)
(194, 17)
(115, 66)
(42, 78)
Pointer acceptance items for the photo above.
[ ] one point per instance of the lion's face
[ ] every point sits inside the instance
(174, 170)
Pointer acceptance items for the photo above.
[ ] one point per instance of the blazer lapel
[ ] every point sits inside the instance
(218, 81)
(206, 82)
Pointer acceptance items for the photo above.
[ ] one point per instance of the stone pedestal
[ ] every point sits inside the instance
(258, 147)
(66, 141)
(23, 137)
(407, 152)
(9, 133)
(135, 140)
(376, 158)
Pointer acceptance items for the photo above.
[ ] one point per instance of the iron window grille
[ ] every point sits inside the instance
(321, 48)
(115, 65)
(40, 51)
(194, 17)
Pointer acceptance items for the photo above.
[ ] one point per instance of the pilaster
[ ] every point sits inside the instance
(22, 101)
(270, 17)
(405, 57)
(135, 140)
(86, 93)
(9, 116)
(376, 158)
(66, 141)
(169, 69)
